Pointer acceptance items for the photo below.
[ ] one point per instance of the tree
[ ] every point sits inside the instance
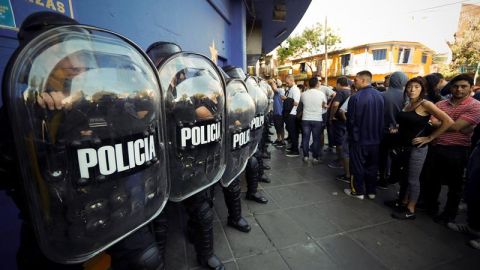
(466, 48)
(311, 41)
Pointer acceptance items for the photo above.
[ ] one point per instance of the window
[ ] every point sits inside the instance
(404, 55)
(345, 61)
(302, 67)
(379, 55)
(424, 58)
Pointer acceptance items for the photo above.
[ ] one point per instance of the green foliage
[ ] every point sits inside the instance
(309, 42)
(466, 49)
(295, 47)
(447, 71)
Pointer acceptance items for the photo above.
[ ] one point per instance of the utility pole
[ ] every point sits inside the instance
(326, 52)
(476, 74)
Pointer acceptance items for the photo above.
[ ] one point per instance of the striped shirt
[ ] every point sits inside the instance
(469, 111)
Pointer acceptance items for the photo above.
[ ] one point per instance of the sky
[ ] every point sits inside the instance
(431, 22)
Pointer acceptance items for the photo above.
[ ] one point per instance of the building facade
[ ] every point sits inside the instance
(380, 58)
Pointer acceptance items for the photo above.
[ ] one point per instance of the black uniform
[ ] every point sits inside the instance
(76, 199)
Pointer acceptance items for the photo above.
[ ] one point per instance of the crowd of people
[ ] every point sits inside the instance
(419, 133)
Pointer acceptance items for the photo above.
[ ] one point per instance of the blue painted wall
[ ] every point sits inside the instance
(193, 24)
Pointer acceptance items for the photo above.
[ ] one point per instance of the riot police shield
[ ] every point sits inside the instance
(234, 72)
(269, 92)
(85, 108)
(240, 113)
(261, 105)
(193, 89)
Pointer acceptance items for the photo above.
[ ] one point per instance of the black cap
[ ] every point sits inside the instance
(39, 22)
(234, 72)
(159, 50)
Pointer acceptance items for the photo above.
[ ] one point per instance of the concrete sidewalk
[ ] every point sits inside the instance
(310, 224)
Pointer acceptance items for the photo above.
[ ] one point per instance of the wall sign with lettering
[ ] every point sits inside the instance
(61, 6)
(7, 19)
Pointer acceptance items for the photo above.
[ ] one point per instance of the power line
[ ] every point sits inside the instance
(439, 6)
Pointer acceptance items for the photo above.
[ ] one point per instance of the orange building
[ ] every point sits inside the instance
(380, 58)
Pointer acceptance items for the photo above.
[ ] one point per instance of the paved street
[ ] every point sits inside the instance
(310, 224)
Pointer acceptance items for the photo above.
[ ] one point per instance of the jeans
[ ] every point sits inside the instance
(448, 167)
(472, 190)
(410, 179)
(314, 128)
(292, 131)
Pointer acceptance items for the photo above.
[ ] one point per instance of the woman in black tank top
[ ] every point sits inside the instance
(412, 125)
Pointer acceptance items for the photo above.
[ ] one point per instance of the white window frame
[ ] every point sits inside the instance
(410, 56)
(382, 60)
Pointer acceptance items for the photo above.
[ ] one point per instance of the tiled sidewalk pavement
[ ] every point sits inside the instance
(310, 224)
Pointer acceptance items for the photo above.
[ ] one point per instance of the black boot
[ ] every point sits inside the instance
(265, 179)
(137, 251)
(256, 197)
(212, 262)
(261, 171)
(234, 206)
(160, 230)
(201, 223)
(252, 176)
(239, 224)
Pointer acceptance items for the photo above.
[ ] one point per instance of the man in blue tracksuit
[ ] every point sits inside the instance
(365, 128)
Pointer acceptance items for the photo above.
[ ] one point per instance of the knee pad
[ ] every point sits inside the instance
(252, 166)
(149, 259)
(204, 215)
(234, 187)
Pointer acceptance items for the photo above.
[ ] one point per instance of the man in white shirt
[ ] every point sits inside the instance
(293, 93)
(314, 101)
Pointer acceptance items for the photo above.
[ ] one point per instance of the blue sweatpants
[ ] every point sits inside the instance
(363, 168)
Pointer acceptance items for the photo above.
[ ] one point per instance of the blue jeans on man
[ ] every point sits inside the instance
(311, 128)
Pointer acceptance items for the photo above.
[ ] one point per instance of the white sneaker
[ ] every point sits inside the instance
(371, 196)
(475, 243)
(352, 194)
(305, 159)
(462, 207)
(463, 228)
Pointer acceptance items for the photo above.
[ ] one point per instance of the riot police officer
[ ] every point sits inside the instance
(88, 180)
(254, 166)
(195, 113)
(240, 113)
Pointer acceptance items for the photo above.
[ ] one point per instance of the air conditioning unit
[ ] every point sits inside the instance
(279, 11)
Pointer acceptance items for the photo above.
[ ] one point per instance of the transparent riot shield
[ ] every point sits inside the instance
(193, 89)
(261, 105)
(240, 113)
(269, 92)
(86, 111)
